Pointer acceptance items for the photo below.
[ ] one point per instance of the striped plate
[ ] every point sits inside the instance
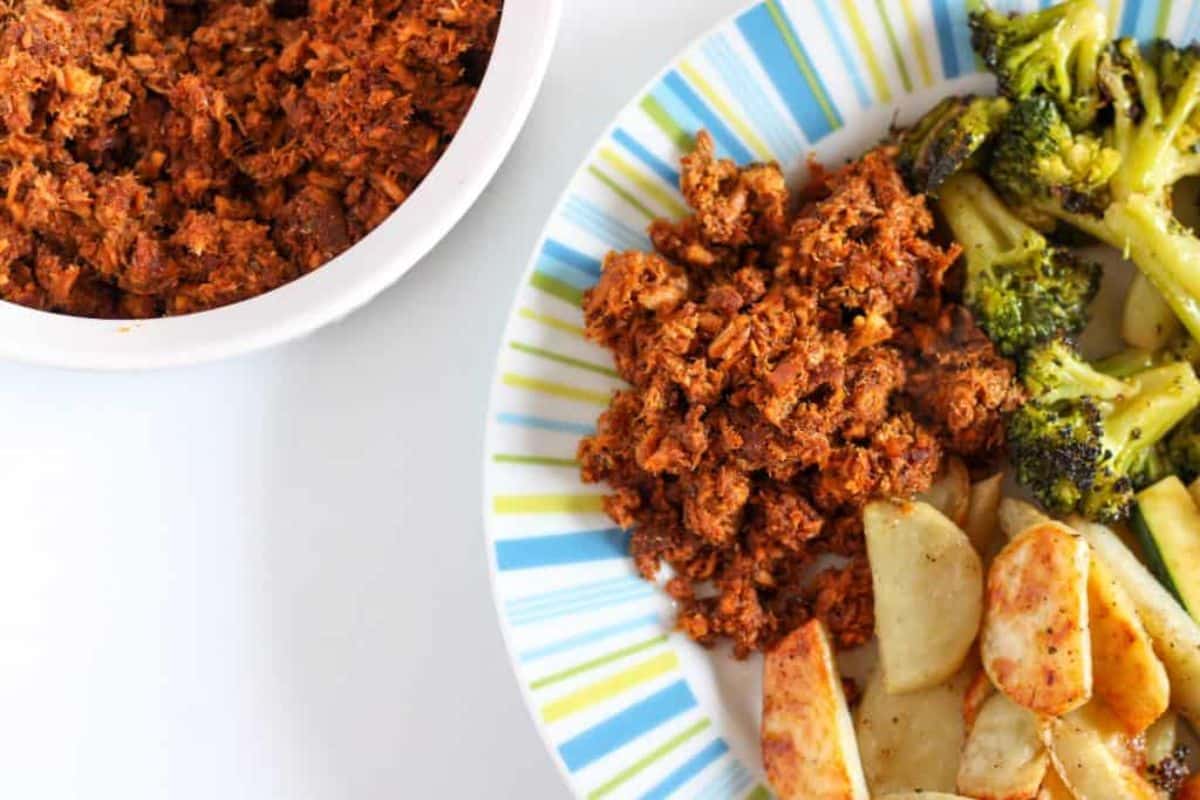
(628, 708)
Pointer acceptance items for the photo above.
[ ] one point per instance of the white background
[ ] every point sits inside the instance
(265, 578)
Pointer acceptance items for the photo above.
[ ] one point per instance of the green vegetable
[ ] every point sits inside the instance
(1021, 289)
(1167, 523)
(1114, 182)
(1084, 440)
(1053, 52)
(1147, 320)
(948, 139)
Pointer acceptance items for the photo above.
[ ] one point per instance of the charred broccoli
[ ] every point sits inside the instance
(1020, 288)
(1085, 440)
(1114, 184)
(947, 139)
(1053, 51)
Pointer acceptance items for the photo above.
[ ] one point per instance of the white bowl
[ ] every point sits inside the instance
(514, 74)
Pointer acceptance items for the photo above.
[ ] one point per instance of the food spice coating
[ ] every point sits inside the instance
(168, 156)
(785, 366)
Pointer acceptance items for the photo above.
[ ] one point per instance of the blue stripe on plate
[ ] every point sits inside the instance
(583, 605)
(573, 642)
(540, 598)
(659, 167)
(625, 726)
(688, 770)
(719, 130)
(775, 129)
(565, 272)
(605, 227)
(777, 61)
(1137, 20)
(569, 255)
(545, 424)
(944, 21)
(561, 548)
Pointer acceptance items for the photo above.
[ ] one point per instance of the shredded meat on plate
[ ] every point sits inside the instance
(168, 156)
(789, 359)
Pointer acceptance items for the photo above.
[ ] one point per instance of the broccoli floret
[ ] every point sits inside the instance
(1053, 51)
(1038, 153)
(1182, 448)
(1084, 441)
(1020, 288)
(947, 139)
(1151, 133)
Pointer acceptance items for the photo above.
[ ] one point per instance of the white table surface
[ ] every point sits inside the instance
(265, 578)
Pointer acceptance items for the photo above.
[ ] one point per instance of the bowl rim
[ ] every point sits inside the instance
(514, 75)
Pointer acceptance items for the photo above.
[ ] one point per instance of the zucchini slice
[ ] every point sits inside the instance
(1167, 523)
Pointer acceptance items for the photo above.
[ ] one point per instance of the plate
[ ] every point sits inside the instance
(627, 707)
(513, 77)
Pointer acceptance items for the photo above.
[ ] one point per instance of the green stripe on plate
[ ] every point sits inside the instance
(570, 361)
(556, 389)
(859, 30)
(806, 69)
(596, 693)
(550, 321)
(540, 461)
(599, 661)
(760, 793)
(553, 286)
(643, 182)
(743, 130)
(918, 44)
(621, 192)
(547, 503)
(667, 124)
(894, 44)
(661, 751)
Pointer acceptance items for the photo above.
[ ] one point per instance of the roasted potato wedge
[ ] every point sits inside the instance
(982, 525)
(1016, 515)
(978, 691)
(1003, 758)
(911, 741)
(1161, 737)
(1036, 645)
(1053, 787)
(928, 583)
(1088, 764)
(1175, 635)
(808, 744)
(950, 493)
(1126, 674)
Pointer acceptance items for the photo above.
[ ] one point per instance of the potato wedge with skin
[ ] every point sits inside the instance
(808, 744)
(928, 583)
(1088, 764)
(1053, 787)
(1161, 737)
(1175, 635)
(982, 525)
(979, 690)
(1016, 516)
(911, 741)
(1126, 674)
(950, 493)
(1035, 643)
(1003, 758)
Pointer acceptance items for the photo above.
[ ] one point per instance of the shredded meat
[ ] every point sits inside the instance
(168, 156)
(788, 361)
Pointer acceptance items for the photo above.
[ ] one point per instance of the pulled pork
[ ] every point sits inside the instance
(786, 366)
